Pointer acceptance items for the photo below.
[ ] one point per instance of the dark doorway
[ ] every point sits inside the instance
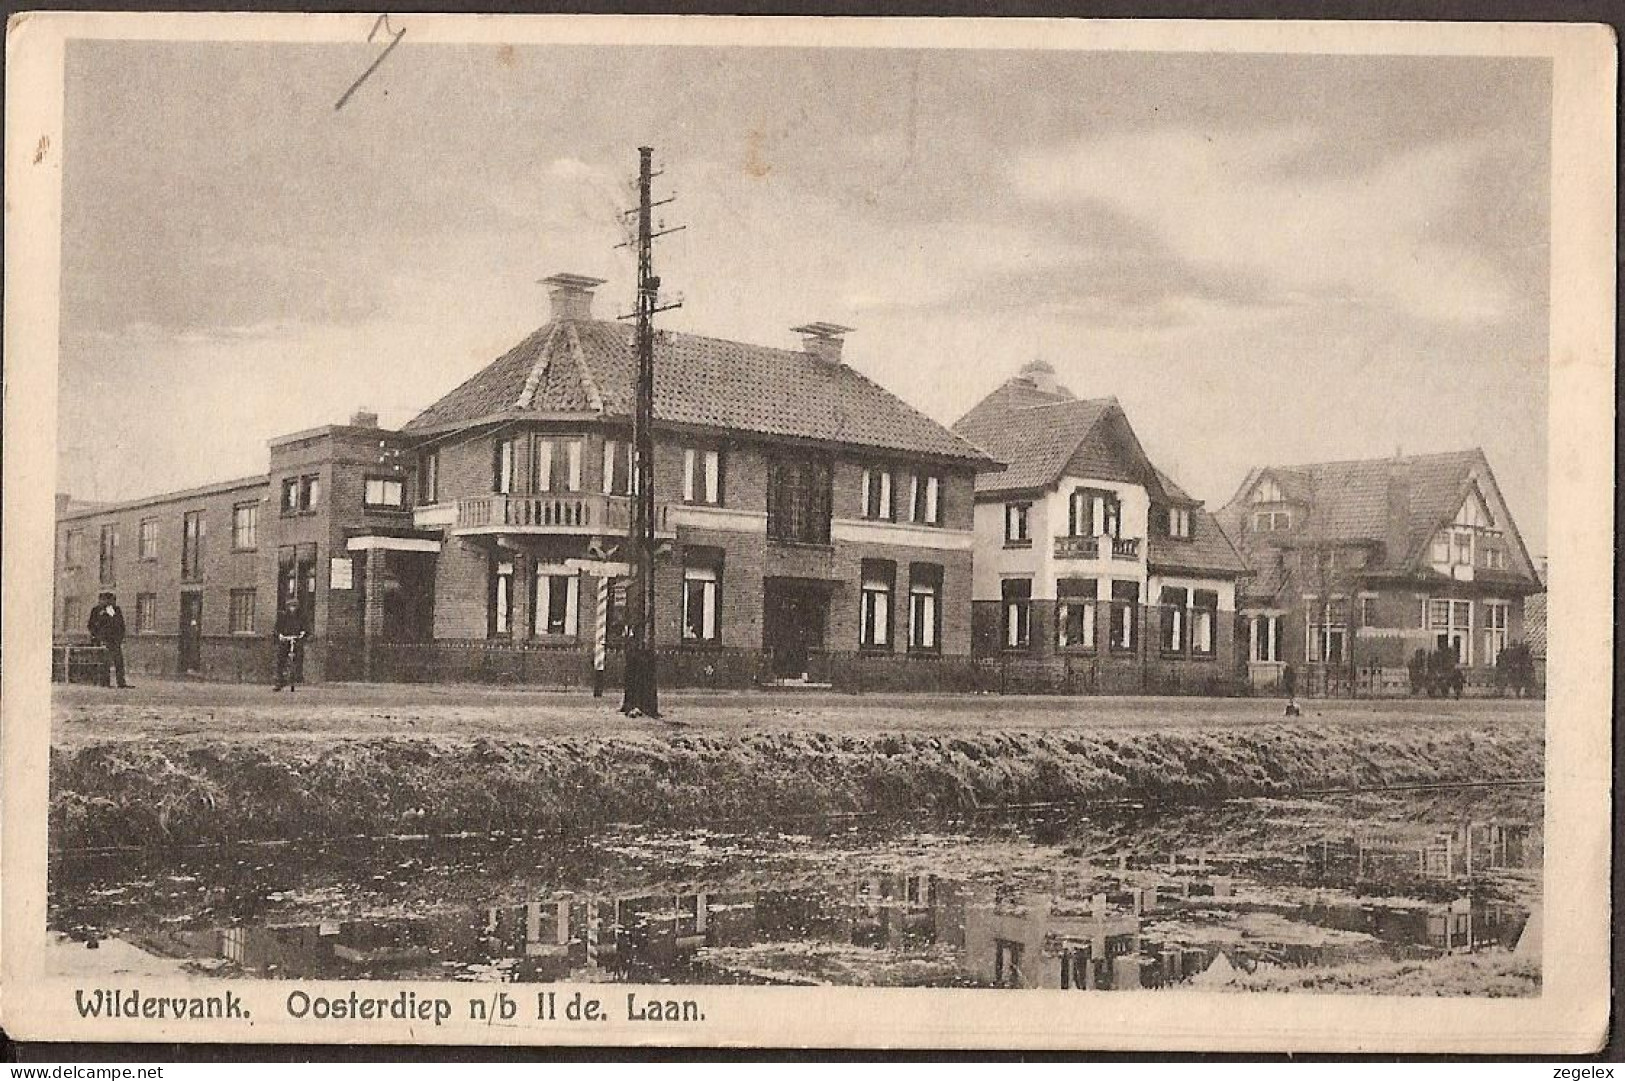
(191, 632)
(794, 611)
(408, 588)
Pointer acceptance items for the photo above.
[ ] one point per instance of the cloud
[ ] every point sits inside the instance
(1240, 202)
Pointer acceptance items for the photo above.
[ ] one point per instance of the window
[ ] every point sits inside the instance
(1093, 513)
(1267, 491)
(1006, 963)
(923, 497)
(1017, 594)
(1016, 519)
(1495, 630)
(877, 495)
(1494, 557)
(798, 500)
(193, 529)
(879, 578)
(146, 612)
(301, 495)
(615, 612)
(1452, 625)
(1173, 619)
(499, 601)
(385, 492)
(1204, 621)
(242, 611)
(146, 539)
(1272, 521)
(556, 464)
(245, 519)
(702, 475)
(109, 551)
(502, 466)
(296, 578)
(1368, 611)
(924, 606)
(1075, 607)
(429, 478)
(1125, 615)
(617, 467)
(1265, 638)
(1179, 522)
(702, 588)
(1327, 631)
(555, 602)
(73, 547)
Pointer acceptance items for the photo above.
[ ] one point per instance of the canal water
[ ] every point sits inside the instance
(1105, 897)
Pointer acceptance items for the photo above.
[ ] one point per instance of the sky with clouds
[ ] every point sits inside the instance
(1264, 258)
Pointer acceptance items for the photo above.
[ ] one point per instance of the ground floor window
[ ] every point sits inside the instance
(874, 606)
(1264, 638)
(1018, 601)
(555, 603)
(72, 617)
(1204, 621)
(1006, 963)
(924, 606)
(1495, 629)
(1327, 632)
(1452, 625)
(296, 578)
(242, 611)
(146, 612)
(500, 619)
(1075, 607)
(1173, 619)
(702, 588)
(1125, 615)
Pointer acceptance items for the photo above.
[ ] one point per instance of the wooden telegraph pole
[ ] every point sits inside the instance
(641, 690)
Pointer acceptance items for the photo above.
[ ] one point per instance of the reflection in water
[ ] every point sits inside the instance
(1108, 918)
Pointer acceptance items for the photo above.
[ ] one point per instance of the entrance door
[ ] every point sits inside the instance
(191, 659)
(793, 614)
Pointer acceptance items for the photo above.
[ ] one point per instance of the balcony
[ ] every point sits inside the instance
(1098, 548)
(571, 513)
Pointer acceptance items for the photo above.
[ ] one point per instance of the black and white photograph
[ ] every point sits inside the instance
(640, 522)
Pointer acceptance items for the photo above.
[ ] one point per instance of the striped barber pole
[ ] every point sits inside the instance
(600, 642)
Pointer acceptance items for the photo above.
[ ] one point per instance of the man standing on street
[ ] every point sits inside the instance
(107, 630)
(290, 631)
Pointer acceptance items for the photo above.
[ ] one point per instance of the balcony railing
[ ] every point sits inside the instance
(557, 513)
(1101, 548)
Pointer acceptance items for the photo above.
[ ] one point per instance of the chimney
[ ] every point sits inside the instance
(363, 418)
(571, 295)
(1040, 375)
(822, 340)
(1399, 512)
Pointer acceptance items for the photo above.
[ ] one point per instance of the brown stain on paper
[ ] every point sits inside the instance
(756, 165)
(505, 56)
(43, 148)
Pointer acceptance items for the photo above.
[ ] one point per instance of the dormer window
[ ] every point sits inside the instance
(1267, 491)
(1179, 523)
(1272, 521)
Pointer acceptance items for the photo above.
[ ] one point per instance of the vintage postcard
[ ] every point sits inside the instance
(808, 532)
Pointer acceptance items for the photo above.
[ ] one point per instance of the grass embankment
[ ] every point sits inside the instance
(173, 790)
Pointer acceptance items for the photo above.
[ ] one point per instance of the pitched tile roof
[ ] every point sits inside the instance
(1208, 551)
(587, 366)
(1534, 623)
(1347, 502)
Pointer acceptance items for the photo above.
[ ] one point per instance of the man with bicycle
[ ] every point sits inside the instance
(290, 632)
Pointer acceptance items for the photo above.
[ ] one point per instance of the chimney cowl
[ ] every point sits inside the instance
(822, 340)
(363, 418)
(1041, 374)
(571, 295)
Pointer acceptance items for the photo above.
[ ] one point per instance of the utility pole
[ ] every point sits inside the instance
(640, 694)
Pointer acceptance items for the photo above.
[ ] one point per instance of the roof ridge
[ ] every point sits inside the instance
(1407, 458)
(595, 397)
(904, 403)
(1068, 401)
(538, 370)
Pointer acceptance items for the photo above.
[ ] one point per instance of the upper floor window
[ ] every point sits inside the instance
(617, 467)
(73, 547)
(1094, 513)
(385, 492)
(877, 495)
(301, 494)
(1272, 521)
(109, 551)
(922, 499)
(503, 466)
(429, 478)
(146, 541)
(798, 500)
(245, 519)
(555, 463)
(1267, 491)
(1179, 522)
(1016, 517)
(192, 532)
(702, 475)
